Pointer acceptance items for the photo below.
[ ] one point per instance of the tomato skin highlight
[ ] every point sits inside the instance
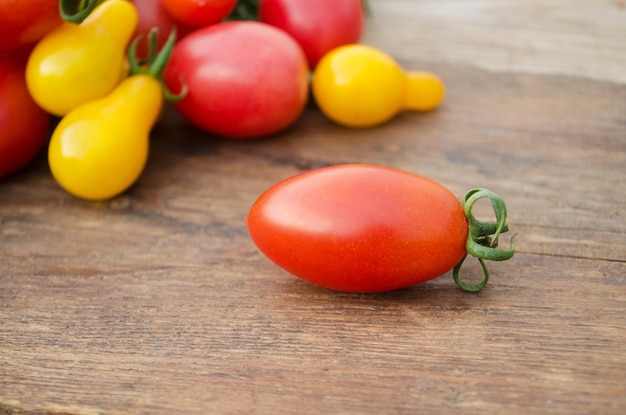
(360, 228)
(246, 79)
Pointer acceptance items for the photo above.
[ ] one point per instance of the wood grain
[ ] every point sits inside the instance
(579, 38)
(157, 302)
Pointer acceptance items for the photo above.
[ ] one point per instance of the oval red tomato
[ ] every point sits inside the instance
(319, 26)
(360, 228)
(199, 13)
(245, 79)
(23, 22)
(23, 125)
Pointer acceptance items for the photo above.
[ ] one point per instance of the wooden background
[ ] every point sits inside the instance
(157, 302)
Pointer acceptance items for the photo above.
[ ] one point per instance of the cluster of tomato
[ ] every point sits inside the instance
(239, 69)
(233, 75)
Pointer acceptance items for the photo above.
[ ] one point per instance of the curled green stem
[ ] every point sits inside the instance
(75, 11)
(156, 61)
(482, 238)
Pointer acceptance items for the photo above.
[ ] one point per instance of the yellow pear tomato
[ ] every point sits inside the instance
(77, 63)
(361, 86)
(99, 149)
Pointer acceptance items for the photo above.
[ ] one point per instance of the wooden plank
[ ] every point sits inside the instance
(579, 38)
(156, 340)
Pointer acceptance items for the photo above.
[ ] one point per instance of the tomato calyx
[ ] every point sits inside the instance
(155, 63)
(482, 238)
(75, 11)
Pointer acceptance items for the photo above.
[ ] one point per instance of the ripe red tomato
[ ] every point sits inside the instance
(199, 12)
(23, 125)
(317, 25)
(23, 22)
(152, 14)
(360, 228)
(245, 79)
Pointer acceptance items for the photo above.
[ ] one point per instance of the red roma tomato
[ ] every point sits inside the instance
(23, 22)
(245, 79)
(152, 14)
(360, 228)
(23, 125)
(366, 228)
(199, 12)
(317, 25)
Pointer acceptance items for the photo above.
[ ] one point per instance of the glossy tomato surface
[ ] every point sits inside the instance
(360, 228)
(359, 86)
(318, 26)
(23, 125)
(76, 64)
(245, 79)
(100, 149)
(199, 13)
(23, 22)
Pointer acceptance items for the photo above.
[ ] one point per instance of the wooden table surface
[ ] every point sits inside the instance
(157, 302)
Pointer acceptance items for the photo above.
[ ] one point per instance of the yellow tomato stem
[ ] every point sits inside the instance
(75, 11)
(482, 238)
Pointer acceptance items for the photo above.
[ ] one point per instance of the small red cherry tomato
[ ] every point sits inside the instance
(199, 13)
(23, 124)
(245, 79)
(319, 26)
(366, 228)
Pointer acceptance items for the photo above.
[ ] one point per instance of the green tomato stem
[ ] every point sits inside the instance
(482, 238)
(75, 11)
(156, 61)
